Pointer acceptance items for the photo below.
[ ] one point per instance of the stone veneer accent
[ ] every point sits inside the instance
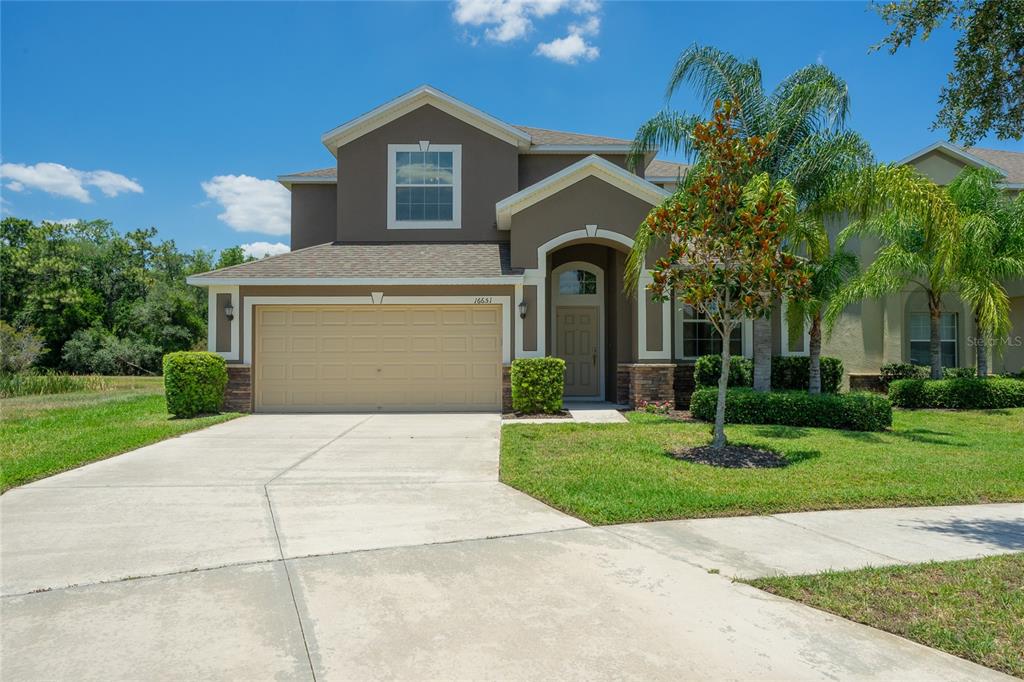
(506, 388)
(684, 386)
(238, 394)
(867, 382)
(650, 382)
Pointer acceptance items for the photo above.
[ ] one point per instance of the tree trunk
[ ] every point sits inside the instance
(723, 384)
(934, 343)
(762, 354)
(814, 355)
(982, 345)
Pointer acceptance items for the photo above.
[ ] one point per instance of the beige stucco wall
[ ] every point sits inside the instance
(535, 167)
(939, 166)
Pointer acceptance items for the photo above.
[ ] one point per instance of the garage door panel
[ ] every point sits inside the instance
(369, 358)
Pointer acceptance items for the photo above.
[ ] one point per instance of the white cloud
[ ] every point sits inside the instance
(59, 180)
(251, 204)
(264, 249)
(505, 21)
(569, 50)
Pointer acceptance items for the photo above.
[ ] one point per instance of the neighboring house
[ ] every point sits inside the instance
(443, 244)
(896, 328)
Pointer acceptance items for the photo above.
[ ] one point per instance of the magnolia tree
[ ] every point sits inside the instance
(724, 235)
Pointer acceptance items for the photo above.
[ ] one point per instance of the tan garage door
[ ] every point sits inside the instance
(312, 358)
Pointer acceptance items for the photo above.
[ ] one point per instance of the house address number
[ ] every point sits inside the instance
(483, 299)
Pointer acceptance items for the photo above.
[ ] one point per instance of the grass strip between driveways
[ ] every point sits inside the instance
(45, 435)
(617, 473)
(973, 609)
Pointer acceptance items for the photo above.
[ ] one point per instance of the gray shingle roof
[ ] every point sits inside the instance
(318, 173)
(420, 260)
(545, 136)
(665, 169)
(1011, 162)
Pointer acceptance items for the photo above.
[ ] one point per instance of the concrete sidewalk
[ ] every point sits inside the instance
(812, 542)
(383, 546)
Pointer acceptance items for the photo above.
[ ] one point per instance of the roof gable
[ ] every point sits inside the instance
(956, 152)
(413, 100)
(591, 166)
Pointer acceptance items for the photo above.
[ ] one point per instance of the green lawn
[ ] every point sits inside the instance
(615, 473)
(43, 435)
(973, 609)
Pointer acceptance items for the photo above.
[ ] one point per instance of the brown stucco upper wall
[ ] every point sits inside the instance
(314, 215)
(938, 166)
(535, 167)
(489, 174)
(590, 201)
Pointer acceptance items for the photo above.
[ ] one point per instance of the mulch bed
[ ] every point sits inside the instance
(731, 457)
(520, 415)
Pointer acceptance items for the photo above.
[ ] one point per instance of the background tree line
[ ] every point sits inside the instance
(99, 301)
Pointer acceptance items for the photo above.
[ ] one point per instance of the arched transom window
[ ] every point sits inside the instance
(577, 282)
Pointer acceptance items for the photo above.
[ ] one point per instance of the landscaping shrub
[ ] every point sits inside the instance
(958, 394)
(959, 373)
(793, 373)
(194, 382)
(708, 369)
(97, 351)
(893, 371)
(852, 411)
(537, 385)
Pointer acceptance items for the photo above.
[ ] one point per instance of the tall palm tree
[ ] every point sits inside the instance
(991, 252)
(920, 232)
(807, 111)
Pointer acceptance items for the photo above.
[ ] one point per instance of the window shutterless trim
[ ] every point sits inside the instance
(456, 222)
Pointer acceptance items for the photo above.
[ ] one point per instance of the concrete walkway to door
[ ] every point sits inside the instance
(380, 546)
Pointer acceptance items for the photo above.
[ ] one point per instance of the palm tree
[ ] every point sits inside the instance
(992, 251)
(806, 111)
(920, 232)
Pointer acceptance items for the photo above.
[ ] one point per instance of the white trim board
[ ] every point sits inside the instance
(955, 151)
(589, 166)
(412, 100)
(503, 301)
(200, 281)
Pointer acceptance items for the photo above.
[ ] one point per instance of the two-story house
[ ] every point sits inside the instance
(443, 244)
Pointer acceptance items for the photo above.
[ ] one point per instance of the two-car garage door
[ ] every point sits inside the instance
(323, 358)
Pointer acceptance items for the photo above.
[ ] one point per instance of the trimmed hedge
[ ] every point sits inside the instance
(194, 382)
(793, 373)
(894, 371)
(537, 385)
(708, 369)
(958, 394)
(850, 411)
(959, 373)
(788, 373)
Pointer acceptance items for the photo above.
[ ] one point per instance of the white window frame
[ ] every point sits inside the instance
(784, 325)
(955, 340)
(746, 334)
(456, 222)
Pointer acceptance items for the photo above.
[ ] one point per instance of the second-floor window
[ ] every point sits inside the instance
(424, 186)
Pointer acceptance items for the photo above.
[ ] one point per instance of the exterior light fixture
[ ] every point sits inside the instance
(522, 309)
(229, 312)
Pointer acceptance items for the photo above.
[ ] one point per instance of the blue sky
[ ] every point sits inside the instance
(157, 111)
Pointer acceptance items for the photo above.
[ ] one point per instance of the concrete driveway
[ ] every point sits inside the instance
(380, 546)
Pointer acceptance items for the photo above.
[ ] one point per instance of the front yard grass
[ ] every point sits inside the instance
(46, 434)
(617, 473)
(973, 609)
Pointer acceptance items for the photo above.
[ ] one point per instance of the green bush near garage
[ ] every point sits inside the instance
(537, 385)
(958, 394)
(194, 382)
(849, 411)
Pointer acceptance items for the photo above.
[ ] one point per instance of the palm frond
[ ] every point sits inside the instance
(719, 75)
(669, 130)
